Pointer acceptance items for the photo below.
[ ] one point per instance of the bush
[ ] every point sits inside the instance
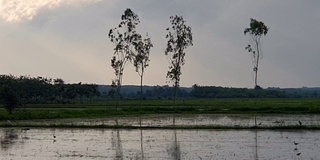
(9, 98)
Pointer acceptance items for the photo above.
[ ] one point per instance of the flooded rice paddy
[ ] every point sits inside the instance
(164, 144)
(187, 120)
(118, 144)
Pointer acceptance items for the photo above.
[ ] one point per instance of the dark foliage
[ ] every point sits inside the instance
(25, 89)
(197, 91)
(9, 97)
(222, 92)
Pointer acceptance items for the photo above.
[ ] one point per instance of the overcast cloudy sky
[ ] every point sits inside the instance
(68, 39)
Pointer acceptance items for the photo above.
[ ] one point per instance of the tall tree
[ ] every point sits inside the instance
(141, 59)
(256, 30)
(124, 36)
(179, 38)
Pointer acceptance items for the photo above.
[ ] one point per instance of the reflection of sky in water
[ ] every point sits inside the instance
(158, 144)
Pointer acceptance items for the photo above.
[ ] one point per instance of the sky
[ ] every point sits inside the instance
(68, 39)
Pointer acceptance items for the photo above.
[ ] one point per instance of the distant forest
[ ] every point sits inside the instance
(197, 91)
(25, 89)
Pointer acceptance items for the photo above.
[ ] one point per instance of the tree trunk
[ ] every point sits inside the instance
(256, 79)
(141, 95)
(175, 94)
(117, 96)
(255, 87)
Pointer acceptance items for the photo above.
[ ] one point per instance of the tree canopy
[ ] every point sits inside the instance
(16, 91)
(125, 38)
(179, 38)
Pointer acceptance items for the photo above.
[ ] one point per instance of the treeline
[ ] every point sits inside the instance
(26, 89)
(222, 92)
(166, 92)
(197, 91)
(149, 92)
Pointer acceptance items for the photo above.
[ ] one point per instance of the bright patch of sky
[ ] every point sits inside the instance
(19, 10)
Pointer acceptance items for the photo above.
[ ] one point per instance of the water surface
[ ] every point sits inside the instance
(188, 120)
(117, 144)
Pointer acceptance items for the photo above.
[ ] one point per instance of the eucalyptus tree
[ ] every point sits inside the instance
(179, 38)
(256, 30)
(141, 59)
(124, 36)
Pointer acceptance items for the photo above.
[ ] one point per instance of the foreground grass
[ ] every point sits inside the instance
(132, 107)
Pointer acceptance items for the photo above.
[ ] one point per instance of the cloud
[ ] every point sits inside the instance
(20, 10)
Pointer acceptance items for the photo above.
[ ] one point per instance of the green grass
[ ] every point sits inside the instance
(132, 107)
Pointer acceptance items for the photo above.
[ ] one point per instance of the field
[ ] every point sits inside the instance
(162, 144)
(98, 109)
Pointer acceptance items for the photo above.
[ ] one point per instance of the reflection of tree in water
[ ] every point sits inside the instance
(174, 148)
(8, 138)
(256, 145)
(141, 142)
(116, 143)
(140, 154)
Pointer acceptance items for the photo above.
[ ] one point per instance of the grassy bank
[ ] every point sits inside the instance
(98, 109)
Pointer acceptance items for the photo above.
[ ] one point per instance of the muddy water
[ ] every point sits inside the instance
(83, 144)
(190, 120)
